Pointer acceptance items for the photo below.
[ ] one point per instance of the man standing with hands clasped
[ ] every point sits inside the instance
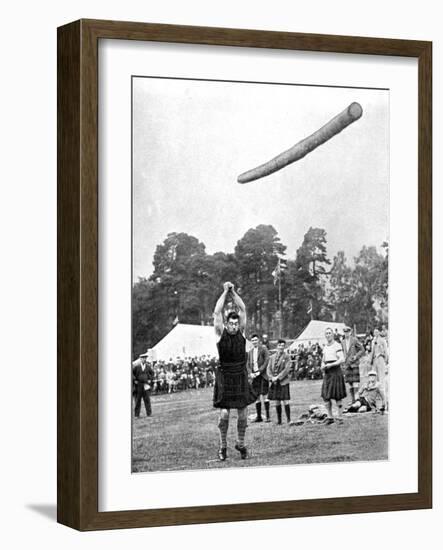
(232, 389)
(142, 376)
(257, 364)
(333, 386)
(279, 368)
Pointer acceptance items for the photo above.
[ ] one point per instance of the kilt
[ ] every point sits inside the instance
(277, 392)
(333, 384)
(260, 385)
(232, 389)
(352, 374)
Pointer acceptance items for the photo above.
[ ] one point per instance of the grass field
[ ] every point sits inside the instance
(182, 434)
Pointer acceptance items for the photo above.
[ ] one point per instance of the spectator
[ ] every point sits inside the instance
(257, 363)
(379, 357)
(365, 364)
(279, 367)
(142, 376)
(353, 351)
(265, 342)
(337, 336)
(370, 397)
(333, 387)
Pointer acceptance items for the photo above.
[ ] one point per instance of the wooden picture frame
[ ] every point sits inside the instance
(77, 456)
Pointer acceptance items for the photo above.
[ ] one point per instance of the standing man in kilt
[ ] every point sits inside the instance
(353, 351)
(279, 369)
(257, 364)
(333, 380)
(232, 389)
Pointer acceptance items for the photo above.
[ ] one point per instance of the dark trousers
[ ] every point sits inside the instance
(140, 394)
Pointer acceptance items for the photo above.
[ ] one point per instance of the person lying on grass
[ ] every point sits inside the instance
(316, 414)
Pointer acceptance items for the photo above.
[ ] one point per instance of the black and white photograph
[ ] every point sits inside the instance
(219, 230)
(260, 288)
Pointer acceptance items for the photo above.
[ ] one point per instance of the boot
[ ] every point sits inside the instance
(288, 413)
(258, 418)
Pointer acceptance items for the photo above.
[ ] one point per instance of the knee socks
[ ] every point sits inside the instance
(241, 430)
(288, 412)
(352, 392)
(223, 425)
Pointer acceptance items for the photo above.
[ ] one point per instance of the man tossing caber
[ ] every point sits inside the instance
(232, 389)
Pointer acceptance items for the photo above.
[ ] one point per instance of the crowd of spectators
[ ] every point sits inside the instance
(306, 362)
(183, 374)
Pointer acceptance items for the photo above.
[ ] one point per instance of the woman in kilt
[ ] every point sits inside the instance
(333, 387)
(279, 368)
(232, 389)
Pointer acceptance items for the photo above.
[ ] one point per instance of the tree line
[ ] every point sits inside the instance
(187, 281)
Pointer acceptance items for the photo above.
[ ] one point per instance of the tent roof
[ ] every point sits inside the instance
(186, 341)
(315, 332)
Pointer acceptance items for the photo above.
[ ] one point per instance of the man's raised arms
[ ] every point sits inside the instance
(218, 310)
(241, 308)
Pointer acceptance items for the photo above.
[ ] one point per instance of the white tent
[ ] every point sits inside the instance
(186, 341)
(314, 332)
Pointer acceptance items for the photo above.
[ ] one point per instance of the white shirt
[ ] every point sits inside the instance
(332, 352)
(255, 359)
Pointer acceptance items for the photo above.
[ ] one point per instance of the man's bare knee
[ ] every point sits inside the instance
(224, 417)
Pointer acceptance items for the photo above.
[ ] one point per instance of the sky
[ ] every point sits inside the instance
(191, 140)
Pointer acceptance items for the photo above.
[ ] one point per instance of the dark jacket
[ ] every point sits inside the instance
(280, 366)
(262, 360)
(141, 376)
(352, 351)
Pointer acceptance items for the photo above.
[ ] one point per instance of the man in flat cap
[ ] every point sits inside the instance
(353, 351)
(142, 377)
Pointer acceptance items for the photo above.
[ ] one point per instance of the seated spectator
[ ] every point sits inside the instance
(162, 379)
(370, 397)
(170, 381)
(184, 380)
(210, 377)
